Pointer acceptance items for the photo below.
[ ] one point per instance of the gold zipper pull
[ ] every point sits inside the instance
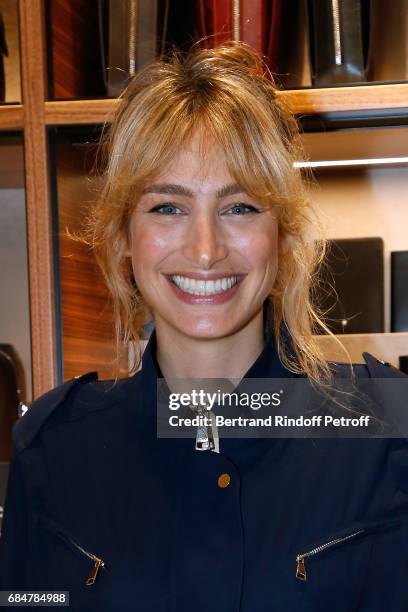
(94, 573)
(300, 568)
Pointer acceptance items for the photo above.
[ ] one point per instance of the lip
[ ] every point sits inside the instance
(218, 298)
(209, 276)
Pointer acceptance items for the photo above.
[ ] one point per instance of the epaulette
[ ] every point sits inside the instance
(26, 428)
(381, 369)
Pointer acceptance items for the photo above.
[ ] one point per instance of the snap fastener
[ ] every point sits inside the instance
(224, 480)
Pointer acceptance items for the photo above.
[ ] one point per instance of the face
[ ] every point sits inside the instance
(204, 254)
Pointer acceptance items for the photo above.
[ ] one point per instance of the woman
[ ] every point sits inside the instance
(204, 227)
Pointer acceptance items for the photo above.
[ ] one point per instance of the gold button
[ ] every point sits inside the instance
(224, 480)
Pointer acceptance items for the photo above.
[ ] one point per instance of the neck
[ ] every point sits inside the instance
(181, 356)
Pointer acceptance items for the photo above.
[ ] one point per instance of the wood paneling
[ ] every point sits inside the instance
(39, 222)
(11, 165)
(76, 54)
(11, 117)
(80, 112)
(86, 308)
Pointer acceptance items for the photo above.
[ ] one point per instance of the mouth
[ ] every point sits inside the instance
(205, 291)
(201, 287)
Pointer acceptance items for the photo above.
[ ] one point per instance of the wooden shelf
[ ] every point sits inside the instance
(387, 346)
(350, 98)
(80, 112)
(301, 102)
(11, 117)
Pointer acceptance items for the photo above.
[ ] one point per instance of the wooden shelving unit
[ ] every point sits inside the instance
(11, 117)
(301, 101)
(36, 113)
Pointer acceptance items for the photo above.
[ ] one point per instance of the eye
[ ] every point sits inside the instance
(165, 209)
(238, 209)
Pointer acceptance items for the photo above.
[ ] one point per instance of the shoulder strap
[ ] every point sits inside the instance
(25, 429)
(378, 368)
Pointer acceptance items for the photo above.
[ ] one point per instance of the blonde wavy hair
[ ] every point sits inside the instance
(229, 94)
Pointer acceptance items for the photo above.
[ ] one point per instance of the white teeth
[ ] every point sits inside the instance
(203, 287)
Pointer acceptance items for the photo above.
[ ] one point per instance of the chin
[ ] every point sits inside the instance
(207, 329)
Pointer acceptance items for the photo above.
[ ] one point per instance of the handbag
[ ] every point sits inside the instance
(254, 22)
(128, 37)
(340, 40)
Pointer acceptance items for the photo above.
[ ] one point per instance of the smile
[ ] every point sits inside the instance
(204, 287)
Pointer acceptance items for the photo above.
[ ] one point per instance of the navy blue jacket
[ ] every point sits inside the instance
(98, 506)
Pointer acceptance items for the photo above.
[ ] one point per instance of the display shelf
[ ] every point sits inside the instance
(351, 98)
(388, 346)
(80, 112)
(301, 101)
(11, 117)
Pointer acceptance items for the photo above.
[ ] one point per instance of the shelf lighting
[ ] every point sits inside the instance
(352, 162)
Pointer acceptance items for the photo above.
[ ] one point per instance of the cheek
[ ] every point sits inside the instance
(149, 247)
(261, 247)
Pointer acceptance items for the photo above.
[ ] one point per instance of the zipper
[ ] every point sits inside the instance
(98, 562)
(300, 559)
(337, 35)
(386, 523)
(132, 42)
(236, 30)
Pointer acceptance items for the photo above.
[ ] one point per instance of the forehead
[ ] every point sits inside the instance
(198, 161)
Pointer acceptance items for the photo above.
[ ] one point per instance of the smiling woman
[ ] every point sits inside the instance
(204, 260)
(203, 227)
(200, 186)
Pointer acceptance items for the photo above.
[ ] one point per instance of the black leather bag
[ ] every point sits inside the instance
(340, 35)
(351, 287)
(128, 37)
(399, 291)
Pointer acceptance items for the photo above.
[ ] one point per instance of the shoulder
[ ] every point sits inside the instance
(372, 368)
(68, 401)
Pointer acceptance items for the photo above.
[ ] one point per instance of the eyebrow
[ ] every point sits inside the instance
(170, 189)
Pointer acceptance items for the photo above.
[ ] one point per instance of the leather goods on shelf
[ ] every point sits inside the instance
(129, 39)
(259, 23)
(76, 64)
(355, 267)
(3, 52)
(220, 20)
(403, 363)
(399, 291)
(339, 40)
(389, 34)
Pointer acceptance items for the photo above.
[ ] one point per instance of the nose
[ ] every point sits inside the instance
(205, 243)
